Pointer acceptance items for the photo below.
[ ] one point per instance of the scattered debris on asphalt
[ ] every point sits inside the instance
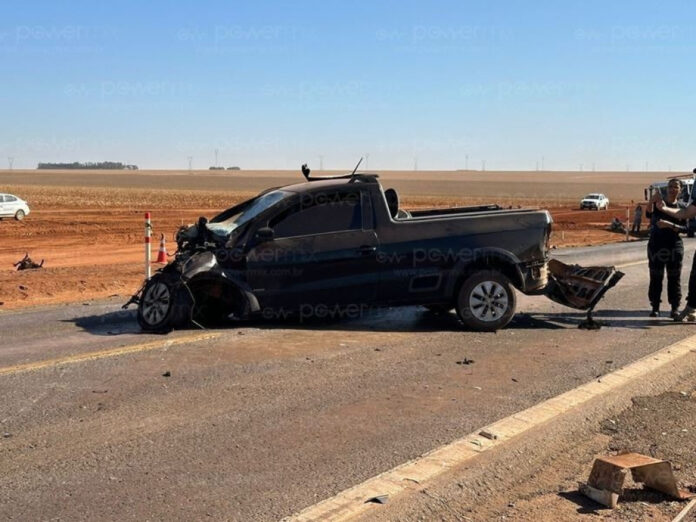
(27, 264)
(466, 361)
(488, 435)
(167, 374)
(381, 499)
(605, 484)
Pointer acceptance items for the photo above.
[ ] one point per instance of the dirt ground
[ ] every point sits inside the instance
(90, 235)
(661, 426)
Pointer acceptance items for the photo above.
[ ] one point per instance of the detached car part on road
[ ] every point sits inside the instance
(331, 247)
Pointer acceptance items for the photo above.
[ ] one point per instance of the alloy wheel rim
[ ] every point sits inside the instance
(156, 303)
(488, 301)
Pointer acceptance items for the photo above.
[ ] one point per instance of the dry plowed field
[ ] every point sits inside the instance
(87, 226)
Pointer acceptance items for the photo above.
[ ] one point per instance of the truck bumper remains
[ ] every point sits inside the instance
(580, 287)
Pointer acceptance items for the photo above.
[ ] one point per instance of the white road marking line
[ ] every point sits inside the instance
(352, 502)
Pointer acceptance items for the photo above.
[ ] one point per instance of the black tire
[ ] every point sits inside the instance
(19, 215)
(164, 305)
(486, 301)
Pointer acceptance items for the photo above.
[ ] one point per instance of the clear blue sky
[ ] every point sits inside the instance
(274, 84)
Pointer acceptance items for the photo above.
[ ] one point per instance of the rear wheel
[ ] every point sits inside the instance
(163, 306)
(486, 301)
(19, 216)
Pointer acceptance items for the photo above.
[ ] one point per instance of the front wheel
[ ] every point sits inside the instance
(19, 216)
(486, 301)
(163, 305)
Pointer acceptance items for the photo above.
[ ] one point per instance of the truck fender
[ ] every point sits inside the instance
(482, 258)
(206, 266)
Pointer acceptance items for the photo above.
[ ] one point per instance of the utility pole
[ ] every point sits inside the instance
(216, 158)
(367, 160)
(593, 167)
(10, 162)
(536, 166)
(190, 160)
(321, 162)
(466, 162)
(415, 163)
(483, 165)
(542, 162)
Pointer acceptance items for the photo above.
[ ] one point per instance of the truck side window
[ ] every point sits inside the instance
(319, 214)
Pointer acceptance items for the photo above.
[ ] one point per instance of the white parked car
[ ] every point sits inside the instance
(594, 202)
(12, 206)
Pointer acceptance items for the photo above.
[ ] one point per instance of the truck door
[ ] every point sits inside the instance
(324, 251)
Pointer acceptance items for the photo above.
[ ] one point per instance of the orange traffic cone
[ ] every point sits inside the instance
(162, 254)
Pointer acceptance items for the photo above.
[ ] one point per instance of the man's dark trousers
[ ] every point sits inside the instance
(666, 257)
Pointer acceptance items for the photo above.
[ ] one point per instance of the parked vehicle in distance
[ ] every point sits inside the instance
(594, 202)
(330, 247)
(12, 206)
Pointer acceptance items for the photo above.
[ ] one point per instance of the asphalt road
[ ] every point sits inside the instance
(266, 419)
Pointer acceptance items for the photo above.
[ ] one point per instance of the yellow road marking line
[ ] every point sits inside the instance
(351, 502)
(634, 263)
(112, 352)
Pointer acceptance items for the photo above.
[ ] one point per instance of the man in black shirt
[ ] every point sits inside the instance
(665, 248)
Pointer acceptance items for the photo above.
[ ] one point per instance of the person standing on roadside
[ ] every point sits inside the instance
(684, 214)
(665, 248)
(637, 219)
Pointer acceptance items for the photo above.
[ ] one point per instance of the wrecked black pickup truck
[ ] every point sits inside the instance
(334, 247)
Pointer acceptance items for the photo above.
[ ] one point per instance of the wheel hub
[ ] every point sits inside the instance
(156, 303)
(488, 301)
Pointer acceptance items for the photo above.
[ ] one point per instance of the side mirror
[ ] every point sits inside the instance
(264, 234)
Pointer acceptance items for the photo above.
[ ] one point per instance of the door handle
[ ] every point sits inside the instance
(366, 250)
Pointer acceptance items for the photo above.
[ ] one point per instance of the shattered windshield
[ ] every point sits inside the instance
(246, 212)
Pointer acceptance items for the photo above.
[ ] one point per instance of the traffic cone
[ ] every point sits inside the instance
(162, 254)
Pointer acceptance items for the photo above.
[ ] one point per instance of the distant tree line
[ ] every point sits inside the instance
(223, 168)
(106, 165)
